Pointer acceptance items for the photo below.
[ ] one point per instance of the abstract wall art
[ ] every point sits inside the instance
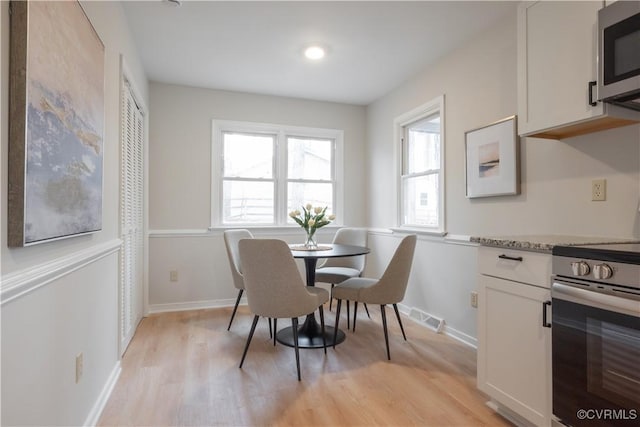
(56, 123)
(492, 160)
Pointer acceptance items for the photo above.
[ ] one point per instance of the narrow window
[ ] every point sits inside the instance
(422, 167)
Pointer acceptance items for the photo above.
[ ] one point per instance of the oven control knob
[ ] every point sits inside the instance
(580, 268)
(602, 271)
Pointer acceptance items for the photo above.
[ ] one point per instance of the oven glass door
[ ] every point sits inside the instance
(596, 364)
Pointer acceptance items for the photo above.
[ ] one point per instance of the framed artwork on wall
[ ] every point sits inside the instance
(493, 159)
(56, 123)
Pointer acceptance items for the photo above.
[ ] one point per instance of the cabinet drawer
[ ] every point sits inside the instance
(522, 266)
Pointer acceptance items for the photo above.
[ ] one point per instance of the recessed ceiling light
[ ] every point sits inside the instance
(314, 52)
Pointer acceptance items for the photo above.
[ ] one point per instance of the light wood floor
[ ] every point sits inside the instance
(182, 369)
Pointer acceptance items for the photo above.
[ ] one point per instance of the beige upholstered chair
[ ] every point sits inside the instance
(337, 270)
(275, 288)
(231, 239)
(389, 289)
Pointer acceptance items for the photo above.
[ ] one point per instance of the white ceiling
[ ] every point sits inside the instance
(256, 47)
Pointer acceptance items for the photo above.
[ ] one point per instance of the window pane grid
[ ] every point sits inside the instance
(421, 145)
(248, 202)
(233, 178)
(310, 173)
(421, 200)
(317, 181)
(265, 171)
(309, 158)
(301, 193)
(421, 168)
(429, 172)
(248, 155)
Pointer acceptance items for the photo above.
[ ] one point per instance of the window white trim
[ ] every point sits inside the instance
(281, 132)
(434, 106)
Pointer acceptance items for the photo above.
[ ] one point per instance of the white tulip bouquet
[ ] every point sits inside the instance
(311, 219)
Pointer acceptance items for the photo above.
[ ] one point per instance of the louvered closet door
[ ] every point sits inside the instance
(131, 218)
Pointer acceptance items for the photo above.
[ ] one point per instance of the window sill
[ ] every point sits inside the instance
(430, 235)
(418, 231)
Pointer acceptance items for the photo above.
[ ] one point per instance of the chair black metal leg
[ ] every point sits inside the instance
(294, 324)
(348, 321)
(270, 330)
(275, 330)
(331, 299)
(384, 326)
(324, 339)
(367, 310)
(246, 347)
(235, 308)
(395, 307)
(335, 329)
(355, 313)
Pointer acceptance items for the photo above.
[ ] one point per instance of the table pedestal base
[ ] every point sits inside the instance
(309, 335)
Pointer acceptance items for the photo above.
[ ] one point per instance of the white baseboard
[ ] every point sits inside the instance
(447, 330)
(461, 336)
(508, 414)
(103, 398)
(194, 305)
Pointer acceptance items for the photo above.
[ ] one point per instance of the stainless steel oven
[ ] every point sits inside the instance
(596, 335)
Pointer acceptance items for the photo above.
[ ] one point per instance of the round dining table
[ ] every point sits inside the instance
(310, 333)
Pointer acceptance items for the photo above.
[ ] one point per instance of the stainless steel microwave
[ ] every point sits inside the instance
(619, 54)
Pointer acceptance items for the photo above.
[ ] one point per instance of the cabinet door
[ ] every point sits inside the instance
(514, 348)
(557, 45)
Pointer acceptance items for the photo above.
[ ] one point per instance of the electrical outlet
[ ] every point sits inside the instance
(173, 275)
(474, 299)
(599, 190)
(79, 367)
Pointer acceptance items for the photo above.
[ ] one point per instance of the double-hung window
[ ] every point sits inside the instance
(310, 171)
(249, 178)
(421, 179)
(261, 172)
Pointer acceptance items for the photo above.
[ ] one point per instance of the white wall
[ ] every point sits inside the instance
(479, 84)
(43, 332)
(180, 183)
(69, 304)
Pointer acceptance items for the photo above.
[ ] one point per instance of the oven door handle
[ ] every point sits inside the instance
(599, 300)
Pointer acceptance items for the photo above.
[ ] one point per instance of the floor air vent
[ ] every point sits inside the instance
(432, 322)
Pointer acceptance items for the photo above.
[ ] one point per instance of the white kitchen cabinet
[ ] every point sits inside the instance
(514, 347)
(557, 51)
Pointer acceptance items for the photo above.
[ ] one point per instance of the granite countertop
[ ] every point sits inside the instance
(545, 243)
